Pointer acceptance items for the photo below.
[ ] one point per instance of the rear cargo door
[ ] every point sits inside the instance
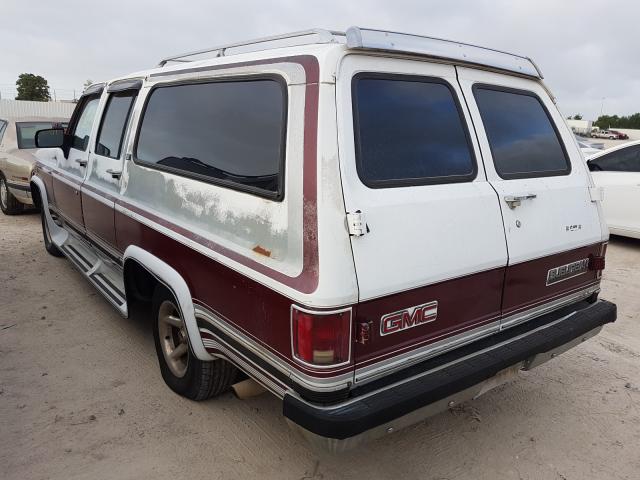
(551, 224)
(430, 263)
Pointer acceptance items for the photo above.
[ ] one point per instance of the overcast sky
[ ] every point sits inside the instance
(586, 49)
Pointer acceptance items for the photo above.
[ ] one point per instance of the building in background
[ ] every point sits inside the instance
(580, 127)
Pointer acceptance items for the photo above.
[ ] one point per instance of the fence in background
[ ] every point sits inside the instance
(23, 108)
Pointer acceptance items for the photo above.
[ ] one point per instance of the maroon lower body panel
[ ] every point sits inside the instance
(68, 200)
(462, 304)
(45, 175)
(526, 283)
(99, 218)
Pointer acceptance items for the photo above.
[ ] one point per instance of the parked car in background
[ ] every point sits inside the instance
(620, 135)
(605, 134)
(617, 172)
(373, 226)
(17, 145)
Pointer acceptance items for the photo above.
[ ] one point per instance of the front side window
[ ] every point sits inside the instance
(26, 132)
(82, 128)
(623, 160)
(113, 126)
(225, 132)
(409, 131)
(524, 143)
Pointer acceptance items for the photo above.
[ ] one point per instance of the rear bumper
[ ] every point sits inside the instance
(422, 390)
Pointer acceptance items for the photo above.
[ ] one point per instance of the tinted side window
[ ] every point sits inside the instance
(82, 128)
(408, 131)
(227, 132)
(26, 132)
(625, 160)
(114, 122)
(524, 142)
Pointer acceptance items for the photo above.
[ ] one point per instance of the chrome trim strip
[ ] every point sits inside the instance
(64, 179)
(238, 360)
(398, 362)
(337, 382)
(519, 318)
(96, 196)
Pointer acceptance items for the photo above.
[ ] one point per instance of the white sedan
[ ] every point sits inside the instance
(617, 172)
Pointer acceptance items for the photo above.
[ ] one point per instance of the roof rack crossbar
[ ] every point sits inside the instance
(370, 39)
(305, 37)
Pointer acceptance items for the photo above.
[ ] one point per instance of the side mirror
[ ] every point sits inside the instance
(50, 138)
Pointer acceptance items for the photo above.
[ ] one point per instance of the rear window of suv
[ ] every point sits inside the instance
(225, 132)
(523, 139)
(409, 131)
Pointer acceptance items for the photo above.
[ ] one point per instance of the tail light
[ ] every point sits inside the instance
(596, 262)
(321, 339)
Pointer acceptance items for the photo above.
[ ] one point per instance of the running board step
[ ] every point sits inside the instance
(102, 272)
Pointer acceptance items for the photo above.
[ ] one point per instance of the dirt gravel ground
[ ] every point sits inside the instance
(81, 397)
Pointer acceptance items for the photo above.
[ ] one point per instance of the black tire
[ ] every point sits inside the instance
(8, 203)
(46, 236)
(200, 380)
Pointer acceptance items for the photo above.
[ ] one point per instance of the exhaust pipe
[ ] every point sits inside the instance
(247, 388)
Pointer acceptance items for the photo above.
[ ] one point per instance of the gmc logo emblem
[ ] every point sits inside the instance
(409, 318)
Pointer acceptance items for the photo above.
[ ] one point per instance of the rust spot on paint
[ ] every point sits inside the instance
(261, 251)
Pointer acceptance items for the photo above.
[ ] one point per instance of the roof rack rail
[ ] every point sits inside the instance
(357, 38)
(305, 37)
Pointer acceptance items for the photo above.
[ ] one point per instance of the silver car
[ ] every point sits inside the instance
(17, 145)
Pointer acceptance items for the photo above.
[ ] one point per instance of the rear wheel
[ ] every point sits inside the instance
(46, 235)
(8, 203)
(181, 370)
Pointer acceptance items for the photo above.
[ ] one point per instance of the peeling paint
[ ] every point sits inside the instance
(245, 220)
(261, 251)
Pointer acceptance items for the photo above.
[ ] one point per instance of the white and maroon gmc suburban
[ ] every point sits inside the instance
(373, 226)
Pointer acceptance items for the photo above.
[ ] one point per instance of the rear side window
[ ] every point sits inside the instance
(226, 132)
(409, 131)
(114, 122)
(523, 139)
(3, 127)
(82, 128)
(623, 160)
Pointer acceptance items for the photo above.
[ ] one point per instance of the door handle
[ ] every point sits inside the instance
(515, 200)
(82, 163)
(114, 173)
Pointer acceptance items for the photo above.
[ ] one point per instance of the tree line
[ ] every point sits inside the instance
(615, 121)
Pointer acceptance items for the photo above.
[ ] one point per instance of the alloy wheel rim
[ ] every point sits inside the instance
(173, 339)
(3, 192)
